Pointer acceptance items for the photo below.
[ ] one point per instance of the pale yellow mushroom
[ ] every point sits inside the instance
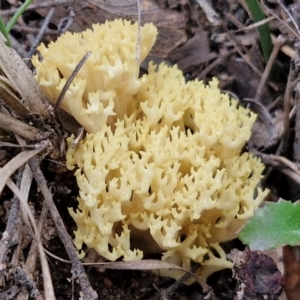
(170, 168)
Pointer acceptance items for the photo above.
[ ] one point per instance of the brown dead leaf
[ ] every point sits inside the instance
(195, 51)
(12, 66)
(170, 24)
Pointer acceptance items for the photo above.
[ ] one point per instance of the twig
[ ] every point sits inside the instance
(18, 127)
(254, 25)
(67, 22)
(11, 145)
(78, 270)
(264, 78)
(41, 32)
(10, 294)
(288, 96)
(296, 145)
(24, 278)
(286, 49)
(282, 164)
(67, 85)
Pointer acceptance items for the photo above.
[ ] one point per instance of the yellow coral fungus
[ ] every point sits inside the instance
(106, 83)
(171, 167)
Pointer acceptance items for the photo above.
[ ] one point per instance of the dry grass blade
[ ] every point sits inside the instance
(26, 181)
(48, 287)
(8, 96)
(16, 163)
(12, 66)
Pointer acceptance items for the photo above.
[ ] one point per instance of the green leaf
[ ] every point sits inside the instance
(263, 30)
(274, 225)
(6, 29)
(17, 15)
(4, 32)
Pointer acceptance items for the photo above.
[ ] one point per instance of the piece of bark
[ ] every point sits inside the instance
(291, 264)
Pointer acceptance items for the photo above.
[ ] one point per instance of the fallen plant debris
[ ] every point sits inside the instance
(231, 52)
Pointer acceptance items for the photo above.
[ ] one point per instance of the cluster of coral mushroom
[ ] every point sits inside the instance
(161, 160)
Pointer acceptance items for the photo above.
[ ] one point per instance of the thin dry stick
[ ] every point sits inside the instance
(20, 275)
(41, 32)
(18, 127)
(282, 164)
(288, 96)
(67, 85)
(296, 145)
(78, 270)
(67, 22)
(264, 78)
(255, 25)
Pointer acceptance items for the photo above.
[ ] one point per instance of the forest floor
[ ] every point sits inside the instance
(205, 39)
